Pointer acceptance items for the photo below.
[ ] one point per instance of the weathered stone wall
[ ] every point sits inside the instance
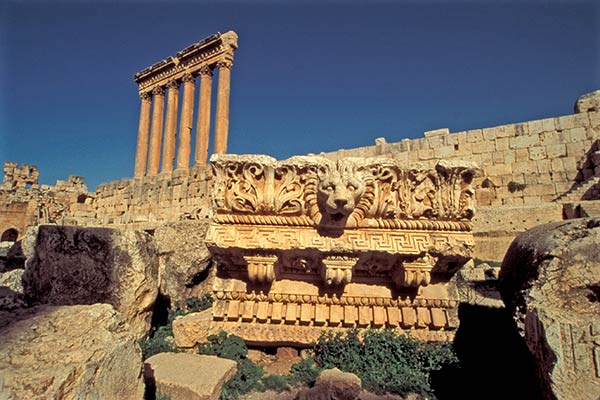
(147, 202)
(547, 156)
(24, 203)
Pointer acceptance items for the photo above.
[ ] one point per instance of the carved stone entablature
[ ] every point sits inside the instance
(215, 48)
(307, 227)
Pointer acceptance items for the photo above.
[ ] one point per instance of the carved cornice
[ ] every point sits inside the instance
(215, 48)
(349, 194)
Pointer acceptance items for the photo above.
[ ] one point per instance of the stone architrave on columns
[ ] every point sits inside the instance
(170, 127)
(222, 118)
(185, 124)
(203, 125)
(156, 130)
(141, 153)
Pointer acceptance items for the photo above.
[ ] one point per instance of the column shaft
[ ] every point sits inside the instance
(203, 125)
(141, 152)
(185, 124)
(170, 127)
(222, 118)
(156, 130)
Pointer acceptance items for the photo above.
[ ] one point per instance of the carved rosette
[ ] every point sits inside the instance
(261, 268)
(337, 270)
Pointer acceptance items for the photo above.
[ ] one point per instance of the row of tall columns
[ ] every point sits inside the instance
(150, 130)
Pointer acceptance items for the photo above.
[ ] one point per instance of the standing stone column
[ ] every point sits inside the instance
(203, 126)
(222, 119)
(170, 127)
(141, 152)
(185, 124)
(156, 130)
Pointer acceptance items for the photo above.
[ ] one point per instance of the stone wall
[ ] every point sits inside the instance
(146, 202)
(529, 171)
(544, 159)
(24, 203)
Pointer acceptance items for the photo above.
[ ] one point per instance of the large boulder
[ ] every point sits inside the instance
(12, 280)
(69, 352)
(185, 261)
(333, 384)
(188, 376)
(550, 281)
(73, 265)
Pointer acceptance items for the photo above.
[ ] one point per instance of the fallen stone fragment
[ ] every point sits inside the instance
(333, 384)
(185, 376)
(69, 352)
(550, 281)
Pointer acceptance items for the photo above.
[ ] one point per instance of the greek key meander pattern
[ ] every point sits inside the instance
(269, 237)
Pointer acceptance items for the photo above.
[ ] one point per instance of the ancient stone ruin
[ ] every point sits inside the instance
(307, 244)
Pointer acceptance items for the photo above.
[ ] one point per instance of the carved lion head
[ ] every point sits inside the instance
(339, 191)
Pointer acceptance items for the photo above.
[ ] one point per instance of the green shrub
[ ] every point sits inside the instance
(160, 339)
(195, 304)
(384, 360)
(226, 346)
(306, 371)
(276, 383)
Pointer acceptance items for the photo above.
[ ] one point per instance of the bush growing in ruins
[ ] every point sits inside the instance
(384, 360)
(195, 304)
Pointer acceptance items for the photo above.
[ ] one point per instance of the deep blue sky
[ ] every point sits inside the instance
(308, 76)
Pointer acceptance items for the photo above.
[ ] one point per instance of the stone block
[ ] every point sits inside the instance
(501, 144)
(509, 156)
(483, 147)
(524, 167)
(521, 155)
(189, 376)
(565, 122)
(537, 153)
(594, 118)
(499, 170)
(524, 141)
(577, 134)
(576, 149)
(521, 129)
(505, 131)
(444, 151)
(489, 133)
(548, 125)
(498, 157)
(426, 154)
(531, 199)
(475, 135)
(581, 120)
(556, 150)
(535, 127)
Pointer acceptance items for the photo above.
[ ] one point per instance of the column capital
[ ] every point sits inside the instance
(146, 96)
(188, 78)
(173, 84)
(225, 64)
(158, 91)
(206, 70)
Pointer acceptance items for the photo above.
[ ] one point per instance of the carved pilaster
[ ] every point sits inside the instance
(261, 269)
(337, 270)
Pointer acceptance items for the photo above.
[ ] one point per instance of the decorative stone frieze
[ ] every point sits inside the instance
(308, 243)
